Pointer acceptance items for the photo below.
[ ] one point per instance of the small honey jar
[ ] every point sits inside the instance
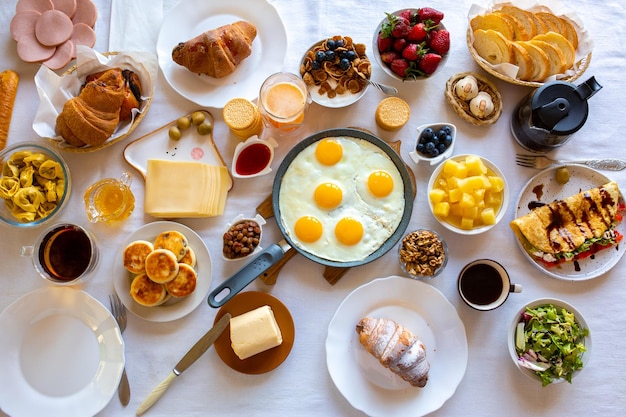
(110, 200)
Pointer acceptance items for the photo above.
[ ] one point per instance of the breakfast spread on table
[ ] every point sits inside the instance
(342, 196)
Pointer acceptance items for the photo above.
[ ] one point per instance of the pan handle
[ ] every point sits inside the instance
(237, 282)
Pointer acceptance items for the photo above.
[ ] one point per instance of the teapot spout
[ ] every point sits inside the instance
(587, 89)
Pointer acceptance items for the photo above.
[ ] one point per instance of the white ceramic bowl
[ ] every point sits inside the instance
(540, 302)
(246, 153)
(417, 156)
(376, 53)
(239, 218)
(478, 229)
(35, 148)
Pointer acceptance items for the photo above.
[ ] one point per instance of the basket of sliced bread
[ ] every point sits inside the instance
(528, 46)
(474, 98)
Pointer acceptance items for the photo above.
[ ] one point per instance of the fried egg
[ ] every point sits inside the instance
(341, 198)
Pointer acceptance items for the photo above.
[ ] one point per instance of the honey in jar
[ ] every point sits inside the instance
(110, 200)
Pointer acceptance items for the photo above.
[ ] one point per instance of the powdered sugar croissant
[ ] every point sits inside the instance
(216, 52)
(396, 348)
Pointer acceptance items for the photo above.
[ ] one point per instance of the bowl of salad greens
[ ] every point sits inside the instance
(549, 341)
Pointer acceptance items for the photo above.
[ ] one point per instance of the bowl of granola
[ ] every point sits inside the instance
(423, 254)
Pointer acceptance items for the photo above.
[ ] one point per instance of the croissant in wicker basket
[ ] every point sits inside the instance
(474, 108)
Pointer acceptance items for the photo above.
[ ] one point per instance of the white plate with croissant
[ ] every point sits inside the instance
(424, 314)
(195, 24)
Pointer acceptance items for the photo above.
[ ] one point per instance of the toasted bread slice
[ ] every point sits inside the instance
(147, 292)
(552, 22)
(134, 256)
(523, 18)
(161, 266)
(541, 62)
(569, 31)
(519, 32)
(492, 46)
(555, 56)
(561, 43)
(539, 23)
(521, 58)
(184, 283)
(174, 241)
(493, 21)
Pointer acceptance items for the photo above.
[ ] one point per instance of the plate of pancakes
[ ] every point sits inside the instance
(163, 271)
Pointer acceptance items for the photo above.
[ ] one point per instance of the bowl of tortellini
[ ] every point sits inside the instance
(34, 184)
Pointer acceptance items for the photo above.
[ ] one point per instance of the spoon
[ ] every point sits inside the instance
(385, 89)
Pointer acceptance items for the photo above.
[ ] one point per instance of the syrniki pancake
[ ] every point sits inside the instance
(134, 256)
(184, 283)
(161, 266)
(173, 241)
(147, 292)
(189, 258)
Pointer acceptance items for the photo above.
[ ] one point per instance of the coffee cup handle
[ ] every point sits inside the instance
(27, 250)
(515, 288)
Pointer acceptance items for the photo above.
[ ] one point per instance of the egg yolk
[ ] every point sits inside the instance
(380, 183)
(328, 152)
(349, 231)
(328, 195)
(308, 229)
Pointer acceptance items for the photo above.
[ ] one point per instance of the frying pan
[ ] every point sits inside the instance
(272, 254)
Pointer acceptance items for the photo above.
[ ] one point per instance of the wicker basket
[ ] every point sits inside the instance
(461, 107)
(581, 66)
(61, 144)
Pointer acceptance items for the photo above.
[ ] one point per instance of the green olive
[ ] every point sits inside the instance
(197, 117)
(205, 128)
(562, 175)
(175, 133)
(183, 122)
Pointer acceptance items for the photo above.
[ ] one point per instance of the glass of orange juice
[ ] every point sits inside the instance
(110, 199)
(283, 100)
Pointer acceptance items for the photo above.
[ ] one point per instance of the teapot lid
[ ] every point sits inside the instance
(561, 107)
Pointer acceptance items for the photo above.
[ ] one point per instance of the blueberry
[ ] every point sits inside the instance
(351, 55)
(448, 140)
(339, 43)
(420, 147)
(435, 152)
(429, 147)
(442, 148)
(428, 133)
(441, 134)
(447, 129)
(316, 65)
(436, 141)
(320, 56)
(344, 64)
(330, 56)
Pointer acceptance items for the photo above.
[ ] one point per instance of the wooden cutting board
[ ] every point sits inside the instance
(332, 274)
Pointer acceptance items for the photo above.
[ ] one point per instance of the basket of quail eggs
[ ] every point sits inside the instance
(474, 98)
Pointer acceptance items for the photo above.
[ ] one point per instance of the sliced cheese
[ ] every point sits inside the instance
(254, 332)
(185, 189)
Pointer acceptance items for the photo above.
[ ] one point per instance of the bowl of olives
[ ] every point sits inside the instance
(434, 143)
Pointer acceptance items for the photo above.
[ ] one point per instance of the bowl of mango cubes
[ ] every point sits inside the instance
(468, 194)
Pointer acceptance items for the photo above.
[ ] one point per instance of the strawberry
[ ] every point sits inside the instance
(400, 66)
(429, 63)
(412, 52)
(426, 13)
(399, 44)
(417, 33)
(384, 43)
(440, 41)
(401, 28)
(388, 56)
(406, 15)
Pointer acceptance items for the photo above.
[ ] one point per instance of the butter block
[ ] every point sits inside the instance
(254, 332)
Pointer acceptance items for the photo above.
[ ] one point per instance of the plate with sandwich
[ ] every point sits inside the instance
(571, 231)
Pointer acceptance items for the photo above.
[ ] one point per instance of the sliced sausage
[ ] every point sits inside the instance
(66, 6)
(62, 56)
(53, 28)
(36, 5)
(86, 13)
(83, 35)
(30, 50)
(23, 22)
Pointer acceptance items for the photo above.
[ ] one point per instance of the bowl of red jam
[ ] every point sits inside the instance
(253, 157)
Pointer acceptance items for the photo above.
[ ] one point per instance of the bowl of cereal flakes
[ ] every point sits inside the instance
(423, 254)
(336, 71)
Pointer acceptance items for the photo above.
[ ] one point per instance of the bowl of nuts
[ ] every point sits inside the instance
(423, 254)
(242, 237)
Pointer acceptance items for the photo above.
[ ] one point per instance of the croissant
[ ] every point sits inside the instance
(92, 116)
(132, 91)
(396, 348)
(216, 52)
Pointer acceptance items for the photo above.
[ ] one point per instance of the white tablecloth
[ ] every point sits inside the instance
(301, 386)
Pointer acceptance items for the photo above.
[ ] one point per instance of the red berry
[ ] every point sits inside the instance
(399, 44)
(411, 52)
(384, 43)
(406, 14)
(417, 33)
(388, 56)
(429, 63)
(426, 13)
(440, 41)
(401, 28)
(399, 66)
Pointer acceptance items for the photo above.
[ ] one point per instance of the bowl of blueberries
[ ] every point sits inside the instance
(435, 142)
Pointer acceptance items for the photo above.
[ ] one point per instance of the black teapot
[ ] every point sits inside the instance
(546, 118)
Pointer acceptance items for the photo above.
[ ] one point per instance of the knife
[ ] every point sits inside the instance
(190, 357)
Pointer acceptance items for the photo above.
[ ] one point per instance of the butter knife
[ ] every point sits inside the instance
(190, 357)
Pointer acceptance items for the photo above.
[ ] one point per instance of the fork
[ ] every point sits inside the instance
(541, 162)
(119, 312)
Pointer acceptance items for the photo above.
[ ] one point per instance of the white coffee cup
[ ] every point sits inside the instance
(485, 285)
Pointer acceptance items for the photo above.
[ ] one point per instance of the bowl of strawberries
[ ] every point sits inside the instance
(411, 44)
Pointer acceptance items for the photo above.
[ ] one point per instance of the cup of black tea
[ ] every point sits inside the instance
(485, 285)
(64, 254)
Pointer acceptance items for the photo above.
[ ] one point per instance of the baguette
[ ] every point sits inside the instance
(9, 81)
